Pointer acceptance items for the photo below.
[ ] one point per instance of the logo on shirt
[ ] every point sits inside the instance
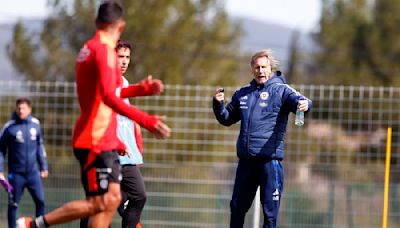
(264, 95)
(275, 195)
(118, 92)
(33, 133)
(243, 102)
(19, 137)
(103, 176)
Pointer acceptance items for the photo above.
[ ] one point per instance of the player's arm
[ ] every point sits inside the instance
(106, 63)
(3, 149)
(293, 99)
(41, 155)
(138, 137)
(225, 115)
(146, 87)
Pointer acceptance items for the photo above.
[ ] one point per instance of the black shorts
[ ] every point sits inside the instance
(98, 171)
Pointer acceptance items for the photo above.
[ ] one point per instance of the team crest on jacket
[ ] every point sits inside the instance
(33, 133)
(19, 137)
(264, 95)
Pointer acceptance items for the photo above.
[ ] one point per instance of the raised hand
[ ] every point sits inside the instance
(162, 131)
(154, 87)
(219, 94)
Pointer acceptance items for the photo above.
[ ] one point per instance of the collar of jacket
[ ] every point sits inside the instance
(19, 120)
(277, 77)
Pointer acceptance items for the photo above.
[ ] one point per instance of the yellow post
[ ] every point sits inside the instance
(387, 172)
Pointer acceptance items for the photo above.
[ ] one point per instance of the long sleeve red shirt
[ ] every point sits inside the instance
(98, 80)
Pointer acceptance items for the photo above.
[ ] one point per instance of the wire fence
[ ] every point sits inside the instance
(334, 164)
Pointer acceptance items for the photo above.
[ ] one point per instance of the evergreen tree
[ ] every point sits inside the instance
(384, 41)
(293, 75)
(180, 42)
(358, 43)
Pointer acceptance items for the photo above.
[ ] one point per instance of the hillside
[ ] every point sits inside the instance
(257, 35)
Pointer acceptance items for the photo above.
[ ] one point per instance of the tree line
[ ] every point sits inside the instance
(357, 42)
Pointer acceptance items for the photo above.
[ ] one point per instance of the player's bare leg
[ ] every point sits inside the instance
(113, 199)
(100, 209)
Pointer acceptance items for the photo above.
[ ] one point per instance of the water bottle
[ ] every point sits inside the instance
(299, 119)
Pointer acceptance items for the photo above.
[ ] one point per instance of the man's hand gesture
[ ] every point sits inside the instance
(152, 87)
(161, 131)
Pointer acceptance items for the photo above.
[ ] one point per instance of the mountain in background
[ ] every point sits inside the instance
(260, 35)
(257, 35)
(7, 71)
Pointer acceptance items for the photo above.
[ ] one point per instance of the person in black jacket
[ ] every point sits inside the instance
(22, 138)
(263, 107)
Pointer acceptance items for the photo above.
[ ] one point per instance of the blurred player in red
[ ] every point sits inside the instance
(95, 140)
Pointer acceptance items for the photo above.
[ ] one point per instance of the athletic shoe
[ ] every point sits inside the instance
(24, 222)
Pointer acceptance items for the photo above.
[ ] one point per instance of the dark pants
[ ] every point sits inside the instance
(249, 175)
(33, 183)
(100, 163)
(133, 196)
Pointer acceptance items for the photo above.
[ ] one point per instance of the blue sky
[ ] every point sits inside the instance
(301, 14)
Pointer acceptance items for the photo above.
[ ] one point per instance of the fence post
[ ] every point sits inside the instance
(387, 174)
(331, 212)
(349, 205)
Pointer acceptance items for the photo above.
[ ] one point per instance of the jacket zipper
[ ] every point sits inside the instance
(26, 147)
(250, 117)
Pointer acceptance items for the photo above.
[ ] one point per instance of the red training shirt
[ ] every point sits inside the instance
(98, 80)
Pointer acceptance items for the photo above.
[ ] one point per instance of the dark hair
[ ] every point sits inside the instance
(109, 12)
(23, 100)
(123, 44)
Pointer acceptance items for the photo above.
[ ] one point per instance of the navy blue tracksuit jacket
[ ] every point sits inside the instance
(263, 112)
(22, 141)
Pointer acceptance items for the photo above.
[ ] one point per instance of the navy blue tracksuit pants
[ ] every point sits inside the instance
(33, 183)
(251, 173)
(133, 196)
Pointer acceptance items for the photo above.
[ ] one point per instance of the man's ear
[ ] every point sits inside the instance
(121, 25)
